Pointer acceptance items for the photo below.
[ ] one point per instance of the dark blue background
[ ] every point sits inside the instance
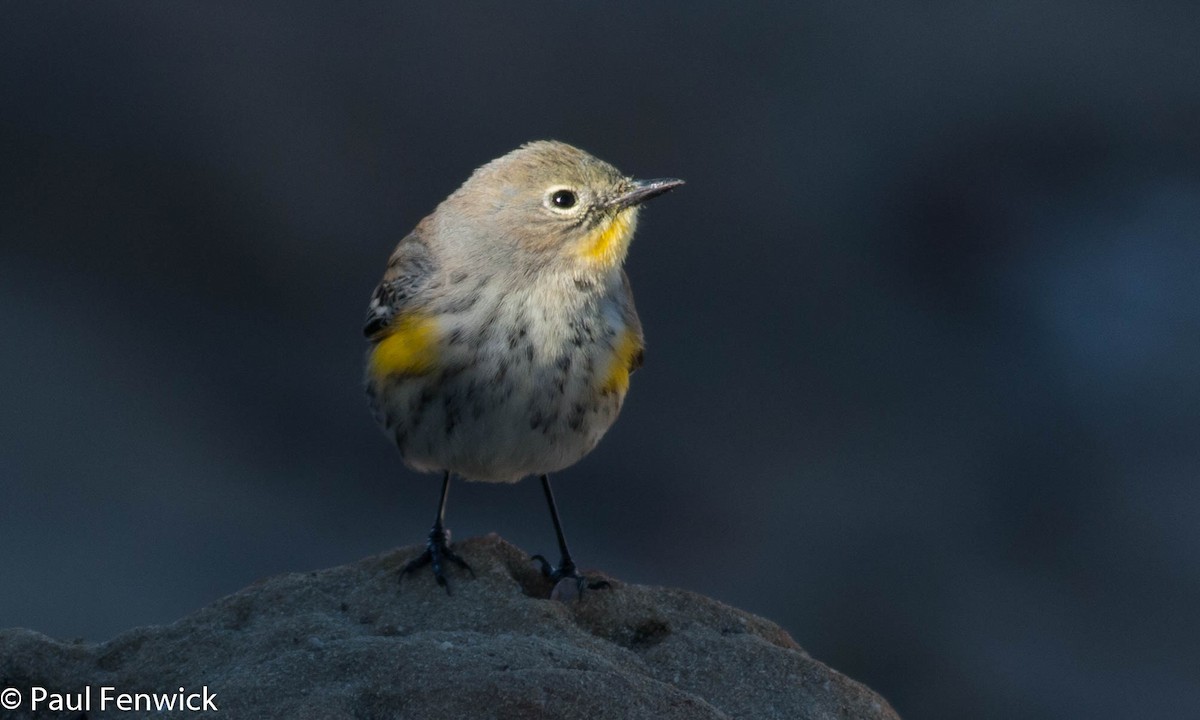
(924, 330)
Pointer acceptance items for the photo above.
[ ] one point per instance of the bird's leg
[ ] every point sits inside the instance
(566, 566)
(437, 547)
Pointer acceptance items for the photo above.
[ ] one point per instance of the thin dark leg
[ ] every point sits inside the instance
(437, 547)
(441, 516)
(566, 566)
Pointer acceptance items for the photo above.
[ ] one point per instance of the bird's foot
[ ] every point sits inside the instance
(437, 552)
(569, 584)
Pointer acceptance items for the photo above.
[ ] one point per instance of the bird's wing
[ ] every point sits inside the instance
(632, 323)
(409, 271)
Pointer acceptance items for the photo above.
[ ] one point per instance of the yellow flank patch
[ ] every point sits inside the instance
(606, 245)
(410, 347)
(617, 377)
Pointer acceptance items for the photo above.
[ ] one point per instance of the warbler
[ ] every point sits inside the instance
(503, 333)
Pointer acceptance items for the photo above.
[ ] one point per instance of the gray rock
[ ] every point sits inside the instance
(353, 642)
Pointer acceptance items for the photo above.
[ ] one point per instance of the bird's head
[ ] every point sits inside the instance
(549, 206)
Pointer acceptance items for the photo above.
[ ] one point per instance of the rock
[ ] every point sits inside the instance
(353, 642)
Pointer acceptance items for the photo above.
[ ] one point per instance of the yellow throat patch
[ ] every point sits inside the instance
(607, 244)
(410, 347)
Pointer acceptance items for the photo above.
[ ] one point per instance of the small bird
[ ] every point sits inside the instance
(503, 333)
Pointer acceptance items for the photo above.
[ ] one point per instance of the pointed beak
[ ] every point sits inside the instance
(642, 191)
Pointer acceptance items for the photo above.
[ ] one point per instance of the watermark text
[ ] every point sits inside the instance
(103, 698)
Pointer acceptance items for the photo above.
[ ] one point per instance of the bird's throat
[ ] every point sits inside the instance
(605, 247)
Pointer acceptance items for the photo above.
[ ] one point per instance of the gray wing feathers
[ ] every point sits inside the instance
(409, 270)
(632, 321)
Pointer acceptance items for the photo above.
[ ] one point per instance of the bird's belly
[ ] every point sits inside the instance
(498, 413)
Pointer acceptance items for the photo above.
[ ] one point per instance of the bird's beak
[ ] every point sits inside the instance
(642, 191)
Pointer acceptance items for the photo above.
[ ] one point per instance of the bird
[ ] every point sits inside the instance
(503, 334)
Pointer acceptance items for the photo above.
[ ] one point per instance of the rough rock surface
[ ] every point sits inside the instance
(352, 642)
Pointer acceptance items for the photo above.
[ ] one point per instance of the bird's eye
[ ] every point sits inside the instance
(563, 199)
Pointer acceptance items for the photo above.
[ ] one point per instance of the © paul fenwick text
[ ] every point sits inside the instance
(106, 698)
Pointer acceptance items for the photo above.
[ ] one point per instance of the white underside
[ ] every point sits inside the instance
(483, 424)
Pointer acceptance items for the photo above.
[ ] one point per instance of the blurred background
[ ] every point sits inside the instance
(923, 372)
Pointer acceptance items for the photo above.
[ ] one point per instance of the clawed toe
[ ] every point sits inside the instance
(437, 552)
(569, 584)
